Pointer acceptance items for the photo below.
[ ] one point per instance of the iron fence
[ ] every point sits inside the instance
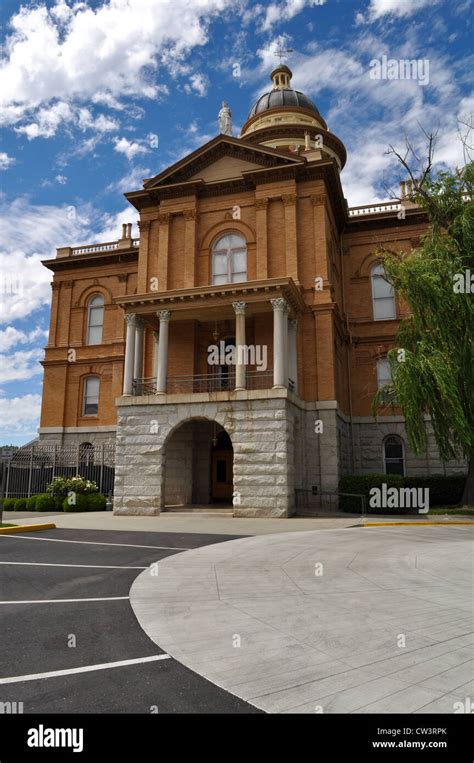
(32, 468)
(218, 382)
(312, 502)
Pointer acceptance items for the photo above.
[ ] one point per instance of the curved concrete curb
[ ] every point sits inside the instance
(324, 621)
(26, 528)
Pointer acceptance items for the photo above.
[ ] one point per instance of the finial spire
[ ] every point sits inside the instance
(283, 53)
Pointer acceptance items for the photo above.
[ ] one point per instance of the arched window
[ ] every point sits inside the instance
(95, 319)
(384, 374)
(91, 396)
(383, 295)
(229, 259)
(393, 460)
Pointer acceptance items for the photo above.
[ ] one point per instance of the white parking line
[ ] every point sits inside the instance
(96, 543)
(64, 601)
(95, 566)
(84, 669)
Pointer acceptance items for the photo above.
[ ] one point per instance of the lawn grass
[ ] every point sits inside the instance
(6, 525)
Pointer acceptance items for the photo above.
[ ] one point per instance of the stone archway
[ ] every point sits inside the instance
(198, 465)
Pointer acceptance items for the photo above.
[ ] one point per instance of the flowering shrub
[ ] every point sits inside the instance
(61, 486)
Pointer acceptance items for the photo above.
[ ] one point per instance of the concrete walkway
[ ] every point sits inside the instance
(179, 523)
(359, 620)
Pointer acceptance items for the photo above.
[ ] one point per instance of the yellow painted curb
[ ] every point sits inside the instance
(408, 524)
(26, 528)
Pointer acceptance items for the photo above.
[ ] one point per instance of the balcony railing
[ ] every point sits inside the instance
(190, 383)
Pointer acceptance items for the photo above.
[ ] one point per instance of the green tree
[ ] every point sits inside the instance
(433, 364)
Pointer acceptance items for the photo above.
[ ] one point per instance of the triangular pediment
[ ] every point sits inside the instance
(223, 158)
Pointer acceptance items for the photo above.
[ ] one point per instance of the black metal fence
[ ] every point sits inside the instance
(32, 469)
(312, 502)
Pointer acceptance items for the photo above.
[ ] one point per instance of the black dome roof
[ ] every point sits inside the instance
(282, 97)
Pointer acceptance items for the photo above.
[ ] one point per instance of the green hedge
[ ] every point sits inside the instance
(44, 502)
(96, 502)
(87, 502)
(444, 490)
(9, 504)
(20, 504)
(31, 503)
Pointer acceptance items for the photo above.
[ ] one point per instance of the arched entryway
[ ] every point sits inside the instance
(198, 465)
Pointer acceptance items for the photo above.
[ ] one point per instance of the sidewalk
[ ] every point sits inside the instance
(179, 523)
(341, 621)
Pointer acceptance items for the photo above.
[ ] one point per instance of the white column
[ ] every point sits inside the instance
(292, 353)
(162, 370)
(279, 359)
(156, 336)
(239, 308)
(129, 354)
(138, 355)
(285, 346)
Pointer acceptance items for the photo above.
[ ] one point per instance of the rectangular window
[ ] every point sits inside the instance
(384, 375)
(383, 296)
(91, 396)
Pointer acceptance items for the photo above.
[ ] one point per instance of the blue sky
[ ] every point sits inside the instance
(96, 96)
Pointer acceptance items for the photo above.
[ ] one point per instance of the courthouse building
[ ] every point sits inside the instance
(233, 350)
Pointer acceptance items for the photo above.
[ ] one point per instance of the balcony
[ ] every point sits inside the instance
(216, 382)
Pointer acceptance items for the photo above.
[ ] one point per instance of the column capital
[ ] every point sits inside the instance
(289, 199)
(261, 203)
(190, 214)
(139, 323)
(130, 318)
(239, 307)
(164, 315)
(317, 199)
(279, 304)
(144, 225)
(164, 218)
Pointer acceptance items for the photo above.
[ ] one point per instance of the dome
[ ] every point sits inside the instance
(282, 97)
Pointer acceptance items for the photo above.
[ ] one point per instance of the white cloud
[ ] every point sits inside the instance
(199, 83)
(21, 365)
(19, 415)
(49, 119)
(278, 12)
(31, 233)
(5, 160)
(130, 148)
(54, 56)
(401, 8)
(10, 337)
(132, 181)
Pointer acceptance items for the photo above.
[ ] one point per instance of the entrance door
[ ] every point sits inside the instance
(222, 475)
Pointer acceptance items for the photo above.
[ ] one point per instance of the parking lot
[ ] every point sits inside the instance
(70, 640)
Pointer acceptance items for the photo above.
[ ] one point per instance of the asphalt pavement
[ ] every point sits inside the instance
(67, 625)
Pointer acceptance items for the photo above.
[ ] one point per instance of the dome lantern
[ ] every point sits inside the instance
(281, 77)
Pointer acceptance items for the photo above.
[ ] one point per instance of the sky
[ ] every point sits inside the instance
(96, 96)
